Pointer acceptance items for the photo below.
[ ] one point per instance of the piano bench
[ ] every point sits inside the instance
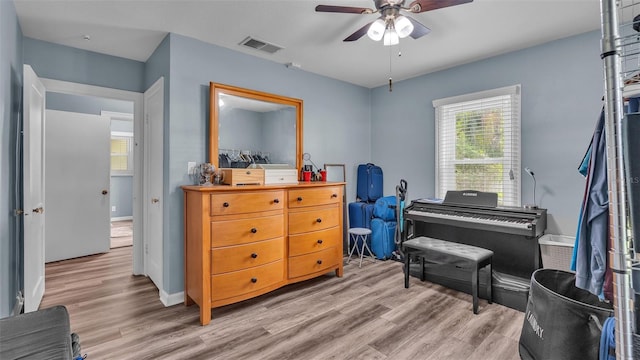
(439, 251)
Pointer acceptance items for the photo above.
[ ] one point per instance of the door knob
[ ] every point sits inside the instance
(155, 200)
(104, 192)
(38, 210)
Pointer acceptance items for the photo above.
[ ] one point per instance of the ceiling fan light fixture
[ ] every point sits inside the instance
(391, 37)
(376, 30)
(403, 26)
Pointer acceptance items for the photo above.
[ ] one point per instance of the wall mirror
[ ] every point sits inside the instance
(248, 126)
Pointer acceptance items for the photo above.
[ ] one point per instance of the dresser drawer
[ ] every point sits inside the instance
(242, 231)
(246, 202)
(311, 263)
(314, 241)
(315, 196)
(239, 257)
(241, 282)
(313, 220)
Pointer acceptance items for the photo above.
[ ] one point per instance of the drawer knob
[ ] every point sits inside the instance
(226, 204)
(276, 201)
(254, 255)
(254, 280)
(319, 262)
(254, 230)
(248, 172)
(319, 241)
(334, 195)
(318, 220)
(299, 198)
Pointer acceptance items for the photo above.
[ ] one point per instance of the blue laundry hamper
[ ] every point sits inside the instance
(561, 322)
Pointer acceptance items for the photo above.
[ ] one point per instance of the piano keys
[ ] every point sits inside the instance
(512, 220)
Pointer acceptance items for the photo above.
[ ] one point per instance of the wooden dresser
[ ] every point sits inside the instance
(244, 241)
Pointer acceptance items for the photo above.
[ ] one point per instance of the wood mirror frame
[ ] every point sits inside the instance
(214, 110)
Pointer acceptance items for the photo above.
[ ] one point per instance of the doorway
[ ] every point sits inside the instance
(63, 87)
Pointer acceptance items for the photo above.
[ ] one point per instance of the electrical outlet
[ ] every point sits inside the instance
(191, 167)
(113, 209)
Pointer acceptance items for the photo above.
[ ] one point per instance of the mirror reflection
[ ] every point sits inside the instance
(253, 131)
(249, 127)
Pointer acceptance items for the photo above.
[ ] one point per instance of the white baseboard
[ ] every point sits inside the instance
(17, 308)
(122, 218)
(171, 299)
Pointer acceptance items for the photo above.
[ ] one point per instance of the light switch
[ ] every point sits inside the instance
(191, 167)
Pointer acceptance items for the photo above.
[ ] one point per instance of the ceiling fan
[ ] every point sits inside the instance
(392, 25)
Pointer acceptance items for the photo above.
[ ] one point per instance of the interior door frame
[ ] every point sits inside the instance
(72, 88)
(148, 197)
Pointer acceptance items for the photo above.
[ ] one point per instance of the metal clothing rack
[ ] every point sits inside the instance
(621, 57)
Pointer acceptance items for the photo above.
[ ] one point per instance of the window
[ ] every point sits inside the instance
(478, 143)
(121, 153)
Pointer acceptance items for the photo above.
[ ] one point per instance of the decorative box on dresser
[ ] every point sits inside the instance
(244, 241)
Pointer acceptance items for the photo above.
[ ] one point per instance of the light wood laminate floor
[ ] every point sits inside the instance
(121, 233)
(367, 314)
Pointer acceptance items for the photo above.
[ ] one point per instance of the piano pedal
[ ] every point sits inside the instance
(396, 256)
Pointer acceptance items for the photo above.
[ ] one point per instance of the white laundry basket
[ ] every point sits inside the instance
(556, 251)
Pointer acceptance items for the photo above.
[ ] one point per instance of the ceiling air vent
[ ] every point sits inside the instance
(260, 45)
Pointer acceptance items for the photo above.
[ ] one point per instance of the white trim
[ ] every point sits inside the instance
(66, 87)
(122, 133)
(513, 89)
(171, 299)
(117, 115)
(157, 86)
(121, 218)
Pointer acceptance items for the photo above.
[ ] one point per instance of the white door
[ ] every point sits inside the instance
(78, 177)
(33, 188)
(154, 204)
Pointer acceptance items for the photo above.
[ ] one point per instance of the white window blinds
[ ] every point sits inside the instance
(478, 143)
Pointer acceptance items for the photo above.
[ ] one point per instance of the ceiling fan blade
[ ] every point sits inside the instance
(343, 9)
(419, 30)
(419, 6)
(359, 33)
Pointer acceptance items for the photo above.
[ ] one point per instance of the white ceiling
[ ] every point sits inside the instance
(460, 34)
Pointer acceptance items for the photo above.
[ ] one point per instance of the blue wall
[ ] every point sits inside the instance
(10, 111)
(59, 62)
(87, 104)
(562, 87)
